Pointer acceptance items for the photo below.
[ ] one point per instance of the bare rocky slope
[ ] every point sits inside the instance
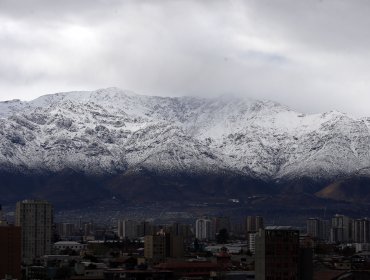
(113, 142)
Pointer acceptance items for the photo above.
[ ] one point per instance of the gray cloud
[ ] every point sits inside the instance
(310, 55)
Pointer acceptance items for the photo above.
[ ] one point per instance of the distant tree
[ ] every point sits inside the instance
(222, 236)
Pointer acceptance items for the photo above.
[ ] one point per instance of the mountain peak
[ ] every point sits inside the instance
(112, 129)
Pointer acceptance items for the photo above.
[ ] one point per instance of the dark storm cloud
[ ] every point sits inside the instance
(310, 55)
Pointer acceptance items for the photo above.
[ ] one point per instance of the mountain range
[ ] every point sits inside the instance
(78, 147)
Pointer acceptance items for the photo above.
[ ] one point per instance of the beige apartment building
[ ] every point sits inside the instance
(164, 245)
(35, 217)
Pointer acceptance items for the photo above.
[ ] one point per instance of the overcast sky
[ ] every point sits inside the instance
(313, 56)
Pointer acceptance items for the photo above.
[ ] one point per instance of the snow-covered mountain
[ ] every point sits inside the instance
(110, 131)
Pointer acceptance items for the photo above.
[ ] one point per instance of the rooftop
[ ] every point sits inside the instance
(279, 228)
(67, 243)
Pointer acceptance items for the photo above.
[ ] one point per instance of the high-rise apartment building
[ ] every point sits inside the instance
(361, 231)
(313, 227)
(252, 242)
(204, 229)
(65, 229)
(35, 217)
(277, 253)
(145, 228)
(127, 229)
(163, 245)
(177, 229)
(341, 229)
(222, 223)
(253, 224)
(10, 251)
(88, 229)
(155, 247)
(318, 229)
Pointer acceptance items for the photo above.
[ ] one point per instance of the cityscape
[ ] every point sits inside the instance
(184, 140)
(34, 246)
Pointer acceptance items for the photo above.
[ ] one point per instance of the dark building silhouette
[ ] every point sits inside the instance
(10, 251)
(163, 245)
(253, 224)
(277, 254)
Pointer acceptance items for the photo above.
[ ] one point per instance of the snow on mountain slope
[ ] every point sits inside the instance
(110, 130)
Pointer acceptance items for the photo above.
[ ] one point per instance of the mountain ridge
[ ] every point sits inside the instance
(111, 131)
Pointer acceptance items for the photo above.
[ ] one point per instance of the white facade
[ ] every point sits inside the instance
(252, 242)
(204, 229)
(362, 247)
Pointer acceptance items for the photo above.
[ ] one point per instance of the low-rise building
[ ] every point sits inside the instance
(69, 245)
(190, 269)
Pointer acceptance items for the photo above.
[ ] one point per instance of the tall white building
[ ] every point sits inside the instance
(35, 217)
(204, 229)
(252, 241)
(127, 229)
